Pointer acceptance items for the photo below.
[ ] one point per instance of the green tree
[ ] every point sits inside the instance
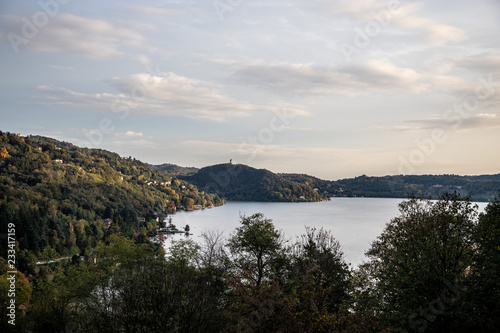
(256, 247)
(57, 302)
(183, 253)
(481, 302)
(420, 260)
(157, 295)
(318, 253)
(264, 308)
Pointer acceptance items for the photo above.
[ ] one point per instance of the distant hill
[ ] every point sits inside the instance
(243, 183)
(323, 186)
(175, 170)
(481, 188)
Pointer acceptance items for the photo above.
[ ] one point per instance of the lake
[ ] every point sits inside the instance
(355, 222)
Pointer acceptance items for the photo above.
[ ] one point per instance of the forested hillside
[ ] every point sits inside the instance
(175, 170)
(64, 199)
(243, 183)
(481, 188)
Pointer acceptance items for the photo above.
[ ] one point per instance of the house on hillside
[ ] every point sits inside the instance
(107, 222)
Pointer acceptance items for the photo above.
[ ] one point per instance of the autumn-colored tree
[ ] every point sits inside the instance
(3, 152)
(189, 202)
(13, 286)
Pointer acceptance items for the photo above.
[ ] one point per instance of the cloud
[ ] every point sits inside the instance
(361, 10)
(481, 121)
(373, 76)
(290, 78)
(480, 63)
(139, 143)
(130, 134)
(74, 35)
(394, 18)
(441, 33)
(307, 129)
(382, 74)
(407, 18)
(166, 95)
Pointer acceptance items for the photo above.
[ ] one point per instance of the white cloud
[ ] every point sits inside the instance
(373, 76)
(407, 17)
(307, 129)
(130, 134)
(400, 18)
(75, 35)
(168, 95)
(441, 33)
(489, 63)
(479, 122)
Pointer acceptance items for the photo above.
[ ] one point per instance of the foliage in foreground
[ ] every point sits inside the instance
(435, 268)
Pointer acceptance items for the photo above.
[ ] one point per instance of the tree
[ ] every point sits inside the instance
(57, 301)
(212, 254)
(157, 295)
(481, 302)
(183, 253)
(256, 246)
(318, 254)
(421, 260)
(3, 152)
(13, 287)
(189, 202)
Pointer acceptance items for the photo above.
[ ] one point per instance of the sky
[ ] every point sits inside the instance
(335, 89)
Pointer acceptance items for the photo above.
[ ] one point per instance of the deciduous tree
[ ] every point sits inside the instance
(256, 246)
(3, 152)
(480, 304)
(421, 260)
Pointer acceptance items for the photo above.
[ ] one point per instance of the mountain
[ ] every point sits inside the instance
(243, 183)
(175, 170)
(63, 199)
(481, 188)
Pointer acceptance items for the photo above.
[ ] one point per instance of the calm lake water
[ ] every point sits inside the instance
(355, 222)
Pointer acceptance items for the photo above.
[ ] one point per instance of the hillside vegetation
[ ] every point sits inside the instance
(434, 268)
(243, 183)
(481, 188)
(64, 199)
(175, 170)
